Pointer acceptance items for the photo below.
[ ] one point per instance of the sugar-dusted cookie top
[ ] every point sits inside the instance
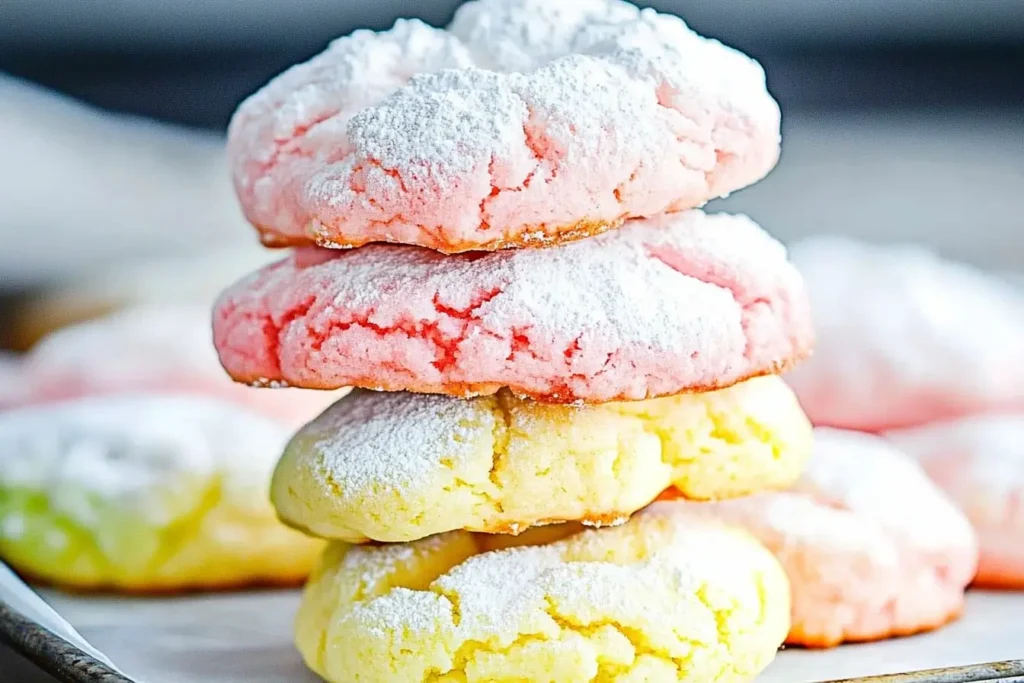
(905, 337)
(665, 597)
(12, 385)
(873, 549)
(166, 349)
(679, 302)
(398, 466)
(144, 492)
(979, 462)
(525, 123)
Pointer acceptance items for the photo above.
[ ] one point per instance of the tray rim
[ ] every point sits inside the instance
(50, 653)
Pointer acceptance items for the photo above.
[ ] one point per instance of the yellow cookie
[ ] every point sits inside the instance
(666, 597)
(402, 466)
(145, 493)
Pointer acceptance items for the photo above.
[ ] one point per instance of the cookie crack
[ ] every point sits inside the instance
(706, 273)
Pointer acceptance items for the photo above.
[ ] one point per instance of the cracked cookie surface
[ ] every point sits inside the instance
(666, 597)
(872, 548)
(145, 493)
(526, 122)
(401, 466)
(681, 302)
(979, 462)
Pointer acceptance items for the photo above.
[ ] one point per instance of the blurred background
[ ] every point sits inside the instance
(902, 121)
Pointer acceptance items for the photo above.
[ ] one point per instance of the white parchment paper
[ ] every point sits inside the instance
(246, 638)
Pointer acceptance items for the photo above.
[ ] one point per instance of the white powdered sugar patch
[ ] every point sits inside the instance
(13, 526)
(975, 457)
(376, 440)
(516, 35)
(495, 590)
(498, 593)
(581, 580)
(868, 476)
(523, 35)
(11, 379)
(153, 348)
(144, 455)
(979, 462)
(899, 325)
(354, 72)
(132, 344)
(544, 53)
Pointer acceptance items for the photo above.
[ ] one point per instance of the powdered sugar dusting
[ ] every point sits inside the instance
(526, 121)
(520, 35)
(862, 483)
(376, 467)
(905, 337)
(872, 548)
(162, 348)
(125, 345)
(361, 441)
(979, 461)
(147, 455)
(12, 381)
(662, 305)
(988, 451)
(652, 577)
(868, 476)
(300, 114)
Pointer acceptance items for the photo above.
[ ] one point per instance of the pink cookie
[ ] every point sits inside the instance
(872, 548)
(905, 338)
(526, 122)
(681, 302)
(166, 349)
(979, 461)
(11, 385)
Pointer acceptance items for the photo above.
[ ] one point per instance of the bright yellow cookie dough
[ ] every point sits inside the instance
(402, 466)
(666, 597)
(145, 493)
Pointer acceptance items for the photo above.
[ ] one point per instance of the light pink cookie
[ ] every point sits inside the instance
(525, 122)
(872, 548)
(681, 302)
(167, 349)
(11, 385)
(979, 461)
(905, 338)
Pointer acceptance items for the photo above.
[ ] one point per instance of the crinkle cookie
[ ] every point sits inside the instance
(681, 302)
(526, 122)
(12, 387)
(401, 466)
(179, 280)
(166, 349)
(979, 462)
(145, 493)
(905, 338)
(872, 548)
(666, 597)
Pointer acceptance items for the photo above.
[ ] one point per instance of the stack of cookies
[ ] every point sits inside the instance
(498, 244)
